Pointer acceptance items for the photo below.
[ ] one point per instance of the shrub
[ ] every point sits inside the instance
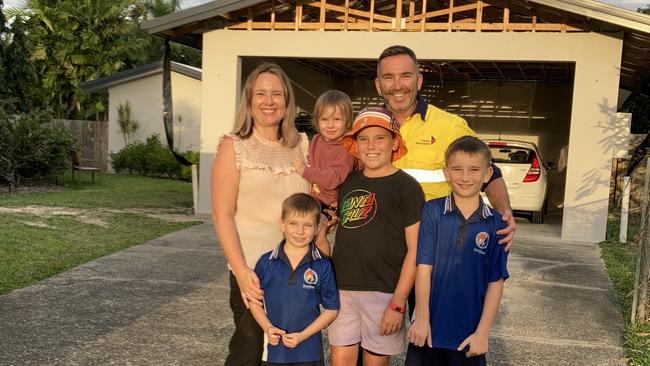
(186, 171)
(151, 158)
(30, 148)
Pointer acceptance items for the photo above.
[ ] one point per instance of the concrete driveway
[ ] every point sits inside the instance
(165, 302)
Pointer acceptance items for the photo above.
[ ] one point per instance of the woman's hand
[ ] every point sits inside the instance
(249, 285)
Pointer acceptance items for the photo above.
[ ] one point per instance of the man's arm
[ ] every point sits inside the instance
(478, 341)
(497, 193)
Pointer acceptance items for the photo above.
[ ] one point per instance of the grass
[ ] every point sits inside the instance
(30, 253)
(620, 260)
(110, 191)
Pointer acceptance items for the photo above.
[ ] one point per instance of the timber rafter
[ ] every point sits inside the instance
(403, 15)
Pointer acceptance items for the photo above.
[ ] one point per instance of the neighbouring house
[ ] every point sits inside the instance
(142, 89)
(550, 71)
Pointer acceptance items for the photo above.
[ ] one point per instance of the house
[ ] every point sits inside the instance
(549, 71)
(142, 89)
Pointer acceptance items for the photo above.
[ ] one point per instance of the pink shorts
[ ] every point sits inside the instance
(359, 321)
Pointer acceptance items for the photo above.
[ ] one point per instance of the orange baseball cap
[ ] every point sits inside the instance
(379, 117)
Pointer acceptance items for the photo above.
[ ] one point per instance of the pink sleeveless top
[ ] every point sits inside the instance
(266, 178)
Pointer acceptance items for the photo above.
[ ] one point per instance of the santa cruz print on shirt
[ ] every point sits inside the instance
(358, 208)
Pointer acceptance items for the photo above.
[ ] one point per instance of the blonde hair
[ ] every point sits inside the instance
(287, 132)
(336, 99)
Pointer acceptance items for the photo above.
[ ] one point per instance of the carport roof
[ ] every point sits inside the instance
(122, 77)
(187, 26)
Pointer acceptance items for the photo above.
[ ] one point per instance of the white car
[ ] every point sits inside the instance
(525, 175)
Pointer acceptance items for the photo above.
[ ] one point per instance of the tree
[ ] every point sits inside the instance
(80, 40)
(639, 105)
(3, 41)
(179, 53)
(20, 78)
(158, 8)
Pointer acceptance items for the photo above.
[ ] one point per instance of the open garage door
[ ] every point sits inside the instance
(510, 101)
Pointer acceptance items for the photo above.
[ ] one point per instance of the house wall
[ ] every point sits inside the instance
(594, 96)
(145, 97)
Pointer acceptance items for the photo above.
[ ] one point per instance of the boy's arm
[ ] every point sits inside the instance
(393, 320)
(478, 341)
(420, 330)
(274, 334)
(292, 340)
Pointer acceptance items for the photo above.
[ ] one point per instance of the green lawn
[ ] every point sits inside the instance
(620, 260)
(90, 221)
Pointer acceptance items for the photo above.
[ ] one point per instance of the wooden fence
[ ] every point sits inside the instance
(637, 180)
(90, 140)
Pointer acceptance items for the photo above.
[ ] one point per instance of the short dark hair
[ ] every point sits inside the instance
(470, 145)
(303, 204)
(397, 50)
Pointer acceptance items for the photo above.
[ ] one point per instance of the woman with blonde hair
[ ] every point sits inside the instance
(251, 176)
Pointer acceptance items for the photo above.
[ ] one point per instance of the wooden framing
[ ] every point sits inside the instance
(400, 16)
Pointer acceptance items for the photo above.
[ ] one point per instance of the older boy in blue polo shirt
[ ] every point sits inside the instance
(297, 279)
(461, 268)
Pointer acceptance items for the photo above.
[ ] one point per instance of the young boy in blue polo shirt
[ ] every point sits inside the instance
(297, 279)
(460, 266)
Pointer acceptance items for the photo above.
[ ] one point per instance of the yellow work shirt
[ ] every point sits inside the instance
(427, 140)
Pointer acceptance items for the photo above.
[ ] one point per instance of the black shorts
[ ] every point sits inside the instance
(420, 356)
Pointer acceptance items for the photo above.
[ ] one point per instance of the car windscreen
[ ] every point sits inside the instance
(512, 155)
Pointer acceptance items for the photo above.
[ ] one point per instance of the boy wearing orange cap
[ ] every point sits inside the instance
(376, 244)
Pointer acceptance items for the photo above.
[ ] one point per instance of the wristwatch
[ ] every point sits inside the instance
(399, 308)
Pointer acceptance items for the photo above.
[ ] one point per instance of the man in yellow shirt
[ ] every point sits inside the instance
(428, 131)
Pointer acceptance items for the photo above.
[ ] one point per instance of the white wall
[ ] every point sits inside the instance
(145, 97)
(597, 59)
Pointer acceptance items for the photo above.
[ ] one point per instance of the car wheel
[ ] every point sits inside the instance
(538, 217)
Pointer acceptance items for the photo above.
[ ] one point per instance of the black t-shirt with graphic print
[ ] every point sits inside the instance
(370, 244)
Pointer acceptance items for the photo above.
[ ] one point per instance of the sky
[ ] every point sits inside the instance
(628, 4)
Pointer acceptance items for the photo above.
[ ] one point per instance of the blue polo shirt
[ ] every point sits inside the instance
(292, 299)
(465, 256)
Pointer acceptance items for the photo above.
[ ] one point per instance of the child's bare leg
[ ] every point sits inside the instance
(373, 359)
(345, 355)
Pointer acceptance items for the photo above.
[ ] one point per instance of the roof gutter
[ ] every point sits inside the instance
(195, 14)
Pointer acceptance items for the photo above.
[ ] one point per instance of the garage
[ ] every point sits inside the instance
(520, 101)
(542, 71)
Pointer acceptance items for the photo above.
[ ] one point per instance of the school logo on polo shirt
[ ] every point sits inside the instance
(311, 278)
(481, 241)
(358, 208)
